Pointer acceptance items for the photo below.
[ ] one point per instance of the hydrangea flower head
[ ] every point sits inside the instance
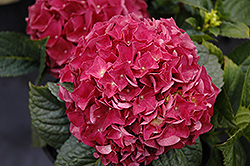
(138, 90)
(64, 21)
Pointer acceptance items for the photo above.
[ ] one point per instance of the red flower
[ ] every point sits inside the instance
(65, 21)
(139, 92)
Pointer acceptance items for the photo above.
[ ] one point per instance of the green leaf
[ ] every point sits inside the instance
(244, 66)
(210, 62)
(219, 6)
(243, 119)
(213, 49)
(245, 98)
(174, 157)
(239, 10)
(163, 8)
(73, 153)
(43, 54)
(192, 21)
(214, 30)
(215, 158)
(161, 2)
(223, 114)
(210, 152)
(198, 36)
(54, 89)
(18, 54)
(48, 116)
(233, 150)
(188, 155)
(201, 4)
(241, 55)
(234, 80)
(234, 30)
(234, 154)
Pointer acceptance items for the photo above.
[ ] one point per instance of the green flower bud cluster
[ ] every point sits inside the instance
(211, 19)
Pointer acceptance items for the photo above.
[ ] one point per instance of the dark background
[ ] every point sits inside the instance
(15, 131)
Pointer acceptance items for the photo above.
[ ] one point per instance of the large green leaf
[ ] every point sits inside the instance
(239, 10)
(214, 30)
(42, 65)
(234, 154)
(222, 13)
(165, 6)
(48, 116)
(163, 9)
(241, 55)
(210, 62)
(233, 150)
(54, 89)
(18, 54)
(243, 119)
(234, 80)
(245, 98)
(223, 114)
(210, 152)
(73, 153)
(245, 64)
(192, 21)
(213, 49)
(234, 30)
(188, 155)
(202, 4)
(198, 36)
(216, 158)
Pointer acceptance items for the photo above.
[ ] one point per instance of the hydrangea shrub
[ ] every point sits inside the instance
(138, 90)
(64, 21)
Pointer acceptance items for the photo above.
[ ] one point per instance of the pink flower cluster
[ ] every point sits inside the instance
(138, 90)
(67, 20)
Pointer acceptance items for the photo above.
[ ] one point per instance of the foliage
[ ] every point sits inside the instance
(77, 154)
(20, 55)
(48, 116)
(188, 155)
(204, 21)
